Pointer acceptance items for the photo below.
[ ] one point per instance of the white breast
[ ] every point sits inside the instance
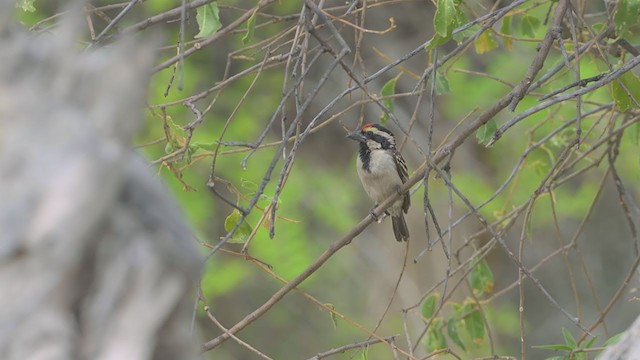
(382, 180)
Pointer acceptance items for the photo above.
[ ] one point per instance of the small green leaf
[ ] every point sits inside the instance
(620, 96)
(506, 29)
(251, 27)
(485, 43)
(629, 97)
(442, 84)
(456, 309)
(208, 19)
(435, 41)
(176, 132)
(460, 36)
(444, 20)
(429, 305)
(529, 25)
(462, 19)
(627, 15)
(388, 89)
(243, 232)
(569, 339)
(452, 331)
(614, 339)
(205, 146)
(168, 149)
(598, 27)
(435, 339)
(481, 278)
(634, 131)
(475, 326)
(590, 342)
(364, 353)
(27, 5)
(334, 320)
(190, 151)
(485, 133)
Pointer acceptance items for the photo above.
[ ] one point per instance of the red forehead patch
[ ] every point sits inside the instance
(367, 126)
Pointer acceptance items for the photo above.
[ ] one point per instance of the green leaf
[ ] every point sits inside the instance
(435, 339)
(452, 331)
(205, 146)
(620, 96)
(208, 19)
(435, 41)
(475, 326)
(629, 97)
(598, 27)
(590, 342)
(27, 5)
(460, 36)
(251, 27)
(626, 16)
(334, 320)
(481, 278)
(568, 339)
(485, 133)
(462, 19)
(529, 25)
(175, 127)
(175, 135)
(429, 305)
(485, 43)
(444, 20)
(442, 84)
(364, 353)
(634, 131)
(190, 151)
(168, 149)
(387, 90)
(614, 339)
(243, 231)
(505, 28)
(456, 309)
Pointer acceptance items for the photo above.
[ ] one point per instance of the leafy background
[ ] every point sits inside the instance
(322, 198)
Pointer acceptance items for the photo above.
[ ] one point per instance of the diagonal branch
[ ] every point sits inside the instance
(521, 89)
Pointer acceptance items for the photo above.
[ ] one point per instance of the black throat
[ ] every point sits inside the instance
(365, 156)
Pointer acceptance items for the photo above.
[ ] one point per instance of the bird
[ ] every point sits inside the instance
(382, 171)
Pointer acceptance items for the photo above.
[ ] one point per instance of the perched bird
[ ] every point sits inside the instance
(382, 171)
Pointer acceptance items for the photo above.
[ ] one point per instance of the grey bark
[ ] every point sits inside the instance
(628, 348)
(96, 261)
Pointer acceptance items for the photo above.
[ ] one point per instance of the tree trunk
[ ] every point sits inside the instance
(96, 261)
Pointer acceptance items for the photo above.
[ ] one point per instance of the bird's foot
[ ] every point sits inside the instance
(377, 218)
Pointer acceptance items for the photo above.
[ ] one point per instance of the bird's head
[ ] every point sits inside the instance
(374, 136)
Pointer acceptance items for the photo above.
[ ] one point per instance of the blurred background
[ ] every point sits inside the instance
(551, 193)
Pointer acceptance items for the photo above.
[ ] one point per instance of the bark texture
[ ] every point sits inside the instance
(96, 261)
(628, 348)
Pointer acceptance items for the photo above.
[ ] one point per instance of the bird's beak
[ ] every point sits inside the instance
(357, 136)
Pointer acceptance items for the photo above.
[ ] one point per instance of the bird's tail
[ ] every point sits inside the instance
(400, 229)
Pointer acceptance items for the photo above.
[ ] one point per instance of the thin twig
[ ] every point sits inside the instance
(344, 348)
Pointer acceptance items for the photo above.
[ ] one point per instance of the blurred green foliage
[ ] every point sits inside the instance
(322, 198)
